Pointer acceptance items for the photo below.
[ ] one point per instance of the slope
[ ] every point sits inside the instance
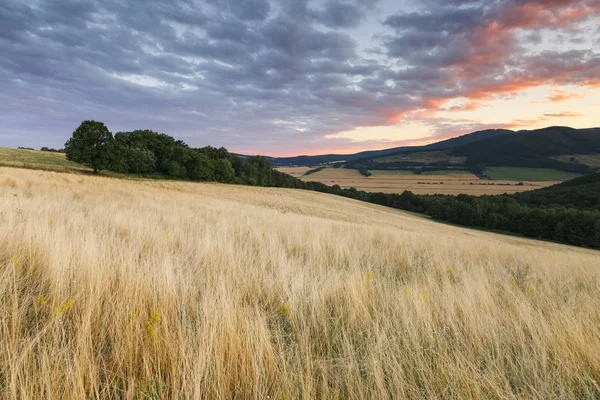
(131, 289)
(581, 193)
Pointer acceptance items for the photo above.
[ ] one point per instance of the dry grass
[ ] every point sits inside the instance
(386, 182)
(34, 159)
(124, 289)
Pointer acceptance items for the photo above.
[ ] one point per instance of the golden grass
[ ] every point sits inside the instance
(34, 159)
(131, 289)
(383, 181)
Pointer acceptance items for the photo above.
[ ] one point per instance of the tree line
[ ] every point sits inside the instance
(568, 213)
(152, 153)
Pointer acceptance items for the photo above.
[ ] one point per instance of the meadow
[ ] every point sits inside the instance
(35, 159)
(432, 182)
(145, 289)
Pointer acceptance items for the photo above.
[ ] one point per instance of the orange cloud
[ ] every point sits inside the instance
(560, 96)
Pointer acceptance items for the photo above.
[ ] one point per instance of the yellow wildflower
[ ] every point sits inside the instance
(60, 310)
(155, 317)
(529, 291)
(150, 329)
(40, 302)
(283, 310)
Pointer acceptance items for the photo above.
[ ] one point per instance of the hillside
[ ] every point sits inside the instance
(534, 148)
(582, 193)
(131, 289)
(559, 148)
(468, 139)
(331, 158)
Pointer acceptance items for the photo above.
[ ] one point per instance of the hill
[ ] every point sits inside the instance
(581, 193)
(157, 289)
(468, 139)
(332, 158)
(560, 148)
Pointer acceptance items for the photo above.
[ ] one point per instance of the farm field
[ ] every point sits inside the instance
(425, 157)
(529, 174)
(427, 183)
(146, 289)
(592, 160)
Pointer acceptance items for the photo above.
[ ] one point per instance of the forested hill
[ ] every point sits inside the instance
(331, 158)
(533, 148)
(562, 148)
(468, 139)
(581, 193)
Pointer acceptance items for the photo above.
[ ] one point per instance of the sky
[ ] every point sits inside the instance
(290, 77)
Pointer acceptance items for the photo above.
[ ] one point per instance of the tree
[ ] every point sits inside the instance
(91, 145)
(139, 160)
(224, 171)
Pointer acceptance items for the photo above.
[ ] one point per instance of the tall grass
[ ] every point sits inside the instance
(121, 289)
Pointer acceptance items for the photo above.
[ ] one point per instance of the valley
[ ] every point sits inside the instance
(433, 182)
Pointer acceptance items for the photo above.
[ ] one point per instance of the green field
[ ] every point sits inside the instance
(424, 157)
(38, 160)
(528, 174)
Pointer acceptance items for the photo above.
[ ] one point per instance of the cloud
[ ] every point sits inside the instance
(227, 72)
(559, 96)
(566, 114)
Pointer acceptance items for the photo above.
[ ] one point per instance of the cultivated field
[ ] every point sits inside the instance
(425, 157)
(441, 182)
(143, 289)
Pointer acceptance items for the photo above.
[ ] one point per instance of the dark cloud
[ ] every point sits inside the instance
(266, 75)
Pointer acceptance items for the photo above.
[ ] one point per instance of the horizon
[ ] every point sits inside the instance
(287, 78)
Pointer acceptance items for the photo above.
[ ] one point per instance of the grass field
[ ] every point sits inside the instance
(529, 174)
(35, 159)
(442, 182)
(145, 289)
(593, 160)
